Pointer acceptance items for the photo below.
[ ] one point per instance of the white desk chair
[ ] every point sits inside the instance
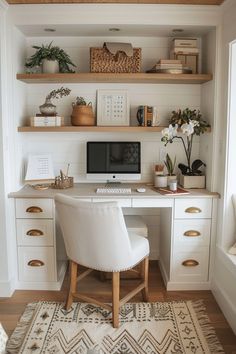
(96, 237)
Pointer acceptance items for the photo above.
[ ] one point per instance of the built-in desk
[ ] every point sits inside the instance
(187, 234)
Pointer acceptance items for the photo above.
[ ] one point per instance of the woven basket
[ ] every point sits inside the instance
(82, 115)
(102, 61)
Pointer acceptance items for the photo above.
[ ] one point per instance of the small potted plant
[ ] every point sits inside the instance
(189, 123)
(52, 58)
(82, 113)
(170, 166)
(48, 108)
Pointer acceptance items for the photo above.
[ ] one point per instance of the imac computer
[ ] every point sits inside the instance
(113, 161)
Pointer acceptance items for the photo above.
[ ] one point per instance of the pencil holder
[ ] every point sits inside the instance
(64, 183)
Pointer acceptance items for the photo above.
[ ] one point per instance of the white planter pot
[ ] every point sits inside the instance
(50, 66)
(192, 181)
(171, 178)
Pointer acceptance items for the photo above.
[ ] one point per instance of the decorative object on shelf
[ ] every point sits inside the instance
(63, 181)
(48, 108)
(115, 58)
(52, 58)
(170, 66)
(190, 123)
(185, 50)
(112, 107)
(170, 166)
(82, 113)
(46, 121)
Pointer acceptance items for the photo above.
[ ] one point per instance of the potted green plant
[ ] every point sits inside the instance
(82, 113)
(48, 108)
(189, 123)
(170, 166)
(52, 58)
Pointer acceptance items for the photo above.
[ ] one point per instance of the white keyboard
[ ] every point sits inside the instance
(113, 190)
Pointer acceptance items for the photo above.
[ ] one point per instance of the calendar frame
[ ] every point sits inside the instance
(110, 120)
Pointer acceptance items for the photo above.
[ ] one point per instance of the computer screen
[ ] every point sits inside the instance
(113, 160)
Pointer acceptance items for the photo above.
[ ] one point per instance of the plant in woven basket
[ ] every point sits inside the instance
(80, 101)
(82, 113)
(51, 53)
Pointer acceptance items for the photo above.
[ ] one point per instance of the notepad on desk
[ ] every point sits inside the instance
(167, 191)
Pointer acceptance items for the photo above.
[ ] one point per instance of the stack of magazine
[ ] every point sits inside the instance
(40, 120)
(169, 66)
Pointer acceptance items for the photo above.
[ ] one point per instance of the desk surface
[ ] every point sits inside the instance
(88, 190)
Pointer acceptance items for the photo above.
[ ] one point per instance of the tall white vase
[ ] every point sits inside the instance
(50, 66)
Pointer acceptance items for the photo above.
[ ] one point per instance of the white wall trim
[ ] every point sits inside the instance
(7, 288)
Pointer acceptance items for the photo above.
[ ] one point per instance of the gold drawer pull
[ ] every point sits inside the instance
(35, 263)
(192, 233)
(193, 210)
(34, 209)
(190, 263)
(34, 232)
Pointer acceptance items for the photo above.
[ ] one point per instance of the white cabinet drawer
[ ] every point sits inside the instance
(123, 202)
(34, 208)
(31, 232)
(195, 208)
(36, 264)
(191, 266)
(192, 233)
(152, 203)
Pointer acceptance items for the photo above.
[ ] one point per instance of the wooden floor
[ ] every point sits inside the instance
(12, 308)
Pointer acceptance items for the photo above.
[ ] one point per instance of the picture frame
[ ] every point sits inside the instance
(113, 108)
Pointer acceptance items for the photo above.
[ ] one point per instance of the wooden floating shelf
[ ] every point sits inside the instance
(75, 129)
(132, 78)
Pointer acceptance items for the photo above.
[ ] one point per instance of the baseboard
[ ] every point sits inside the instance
(226, 305)
(6, 289)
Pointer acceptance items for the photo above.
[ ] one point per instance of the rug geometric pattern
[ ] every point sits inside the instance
(145, 328)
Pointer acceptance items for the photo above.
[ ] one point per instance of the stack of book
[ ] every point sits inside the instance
(172, 66)
(41, 120)
(150, 116)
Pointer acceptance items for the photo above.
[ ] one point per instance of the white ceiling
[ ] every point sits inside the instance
(103, 31)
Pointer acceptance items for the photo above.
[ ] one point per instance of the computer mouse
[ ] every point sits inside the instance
(141, 190)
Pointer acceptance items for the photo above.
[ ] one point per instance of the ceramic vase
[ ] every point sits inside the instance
(48, 109)
(50, 66)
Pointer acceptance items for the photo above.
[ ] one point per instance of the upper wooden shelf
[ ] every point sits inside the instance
(115, 78)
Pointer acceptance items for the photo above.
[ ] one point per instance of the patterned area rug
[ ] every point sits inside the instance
(145, 328)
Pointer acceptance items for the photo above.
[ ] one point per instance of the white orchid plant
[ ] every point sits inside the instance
(189, 123)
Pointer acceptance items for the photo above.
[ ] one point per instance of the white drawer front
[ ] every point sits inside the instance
(193, 208)
(190, 266)
(123, 202)
(36, 264)
(34, 208)
(192, 233)
(152, 203)
(31, 232)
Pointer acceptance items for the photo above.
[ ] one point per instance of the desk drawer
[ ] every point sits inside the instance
(34, 208)
(192, 233)
(152, 203)
(195, 208)
(123, 202)
(36, 264)
(191, 266)
(31, 232)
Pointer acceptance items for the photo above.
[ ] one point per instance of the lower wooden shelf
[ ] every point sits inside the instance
(74, 129)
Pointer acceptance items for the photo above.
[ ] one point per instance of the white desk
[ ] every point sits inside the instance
(187, 234)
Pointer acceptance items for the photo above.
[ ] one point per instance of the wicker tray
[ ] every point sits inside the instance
(102, 61)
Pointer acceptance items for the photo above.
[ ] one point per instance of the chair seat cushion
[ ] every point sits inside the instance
(136, 224)
(140, 248)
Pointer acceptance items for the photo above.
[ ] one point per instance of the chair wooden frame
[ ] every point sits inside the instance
(116, 301)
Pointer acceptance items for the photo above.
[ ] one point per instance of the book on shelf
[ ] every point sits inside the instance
(184, 42)
(184, 50)
(46, 121)
(167, 191)
(169, 61)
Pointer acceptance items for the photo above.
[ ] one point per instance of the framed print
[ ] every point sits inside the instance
(112, 107)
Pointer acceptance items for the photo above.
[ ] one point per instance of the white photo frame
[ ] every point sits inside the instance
(113, 108)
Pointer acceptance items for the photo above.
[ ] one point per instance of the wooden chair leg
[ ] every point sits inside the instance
(73, 280)
(144, 272)
(115, 298)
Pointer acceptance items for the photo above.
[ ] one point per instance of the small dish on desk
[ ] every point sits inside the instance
(141, 190)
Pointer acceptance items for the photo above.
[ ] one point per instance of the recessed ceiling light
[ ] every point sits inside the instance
(114, 29)
(49, 30)
(177, 30)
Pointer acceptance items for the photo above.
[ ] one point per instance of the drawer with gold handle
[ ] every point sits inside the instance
(37, 264)
(35, 232)
(190, 263)
(194, 208)
(34, 208)
(192, 233)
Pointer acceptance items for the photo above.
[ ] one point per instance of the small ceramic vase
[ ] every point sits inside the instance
(48, 109)
(50, 66)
